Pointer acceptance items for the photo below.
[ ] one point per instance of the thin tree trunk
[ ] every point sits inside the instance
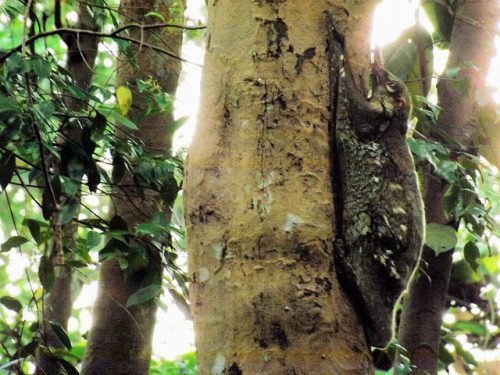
(471, 42)
(258, 194)
(57, 308)
(121, 338)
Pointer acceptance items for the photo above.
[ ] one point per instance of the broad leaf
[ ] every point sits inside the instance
(144, 294)
(46, 273)
(60, 333)
(11, 303)
(440, 238)
(7, 168)
(14, 241)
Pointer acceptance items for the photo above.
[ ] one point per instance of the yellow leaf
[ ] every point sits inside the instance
(38, 293)
(124, 97)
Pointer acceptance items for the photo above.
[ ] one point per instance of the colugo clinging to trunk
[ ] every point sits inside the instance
(380, 227)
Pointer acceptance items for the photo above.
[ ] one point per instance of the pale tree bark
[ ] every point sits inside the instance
(471, 42)
(57, 307)
(258, 194)
(120, 339)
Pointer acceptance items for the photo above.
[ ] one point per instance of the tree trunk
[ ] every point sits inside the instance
(471, 42)
(258, 193)
(57, 307)
(120, 339)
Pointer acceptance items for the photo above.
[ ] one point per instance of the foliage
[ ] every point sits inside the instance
(471, 198)
(52, 180)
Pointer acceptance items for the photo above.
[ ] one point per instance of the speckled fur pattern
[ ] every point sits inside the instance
(382, 227)
(381, 220)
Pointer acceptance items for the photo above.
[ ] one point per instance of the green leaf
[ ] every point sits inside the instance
(174, 126)
(440, 238)
(70, 210)
(155, 14)
(29, 349)
(41, 67)
(93, 239)
(411, 59)
(7, 168)
(34, 228)
(46, 273)
(48, 207)
(60, 333)
(445, 356)
(144, 294)
(471, 327)
(14, 241)
(8, 104)
(119, 169)
(11, 303)
(441, 16)
(70, 369)
(98, 127)
(471, 255)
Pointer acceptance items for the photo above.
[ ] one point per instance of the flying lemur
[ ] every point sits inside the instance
(380, 225)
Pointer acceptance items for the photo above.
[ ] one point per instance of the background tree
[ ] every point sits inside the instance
(121, 336)
(458, 127)
(82, 52)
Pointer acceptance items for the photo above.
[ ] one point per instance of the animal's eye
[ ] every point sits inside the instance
(392, 86)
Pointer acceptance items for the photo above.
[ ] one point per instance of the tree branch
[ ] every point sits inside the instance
(114, 34)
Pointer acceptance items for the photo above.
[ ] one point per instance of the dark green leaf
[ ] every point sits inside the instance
(7, 168)
(471, 255)
(445, 356)
(8, 104)
(441, 16)
(70, 209)
(98, 127)
(117, 223)
(46, 273)
(29, 349)
(14, 241)
(48, 207)
(60, 333)
(34, 227)
(144, 294)
(41, 67)
(70, 369)
(93, 175)
(119, 169)
(11, 303)
(440, 238)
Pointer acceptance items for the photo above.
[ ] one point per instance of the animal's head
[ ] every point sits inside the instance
(394, 94)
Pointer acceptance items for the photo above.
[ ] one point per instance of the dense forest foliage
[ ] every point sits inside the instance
(68, 150)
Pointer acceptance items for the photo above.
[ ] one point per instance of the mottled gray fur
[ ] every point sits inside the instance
(382, 226)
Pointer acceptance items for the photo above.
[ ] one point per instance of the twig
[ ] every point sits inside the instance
(114, 34)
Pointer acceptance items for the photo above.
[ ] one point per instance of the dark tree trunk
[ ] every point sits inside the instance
(471, 42)
(121, 338)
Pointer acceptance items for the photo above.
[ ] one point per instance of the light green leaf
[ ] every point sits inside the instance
(440, 238)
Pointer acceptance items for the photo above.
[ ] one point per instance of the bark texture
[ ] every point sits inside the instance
(471, 42)
(58, 305)
(120, 339)
(258, 195)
